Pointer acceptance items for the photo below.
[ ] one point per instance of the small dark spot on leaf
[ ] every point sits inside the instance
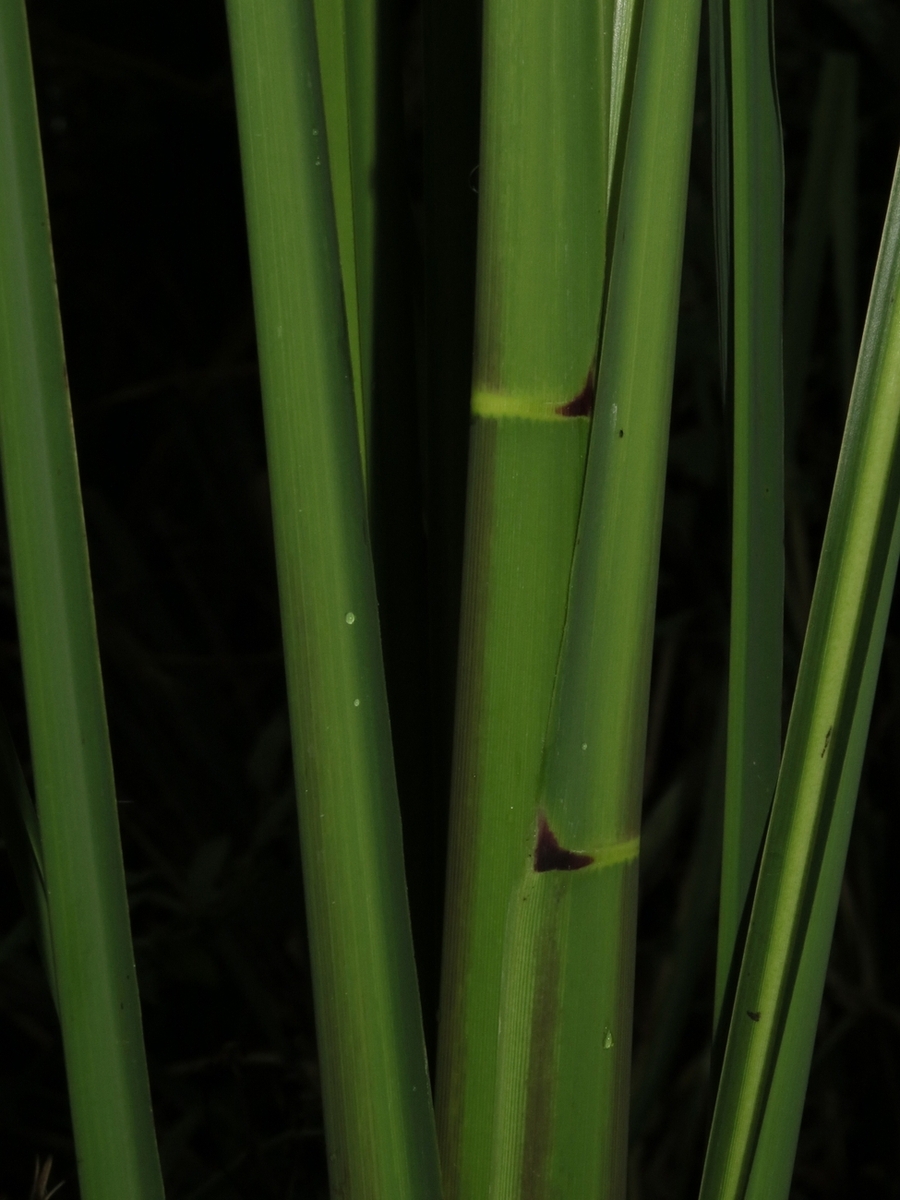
(549, 855)
(754, 1016)
(581, 405)
(621, 433)
(827, 740)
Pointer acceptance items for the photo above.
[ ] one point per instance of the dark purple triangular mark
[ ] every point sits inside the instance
(583, 404)
(550, 856)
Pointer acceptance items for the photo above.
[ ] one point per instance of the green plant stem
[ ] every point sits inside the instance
(88, 909)
(378, 1118)
(565, 1043)
(773, 1162)
(855, 566)
(755, 188)
(518, 558)
(542, 182)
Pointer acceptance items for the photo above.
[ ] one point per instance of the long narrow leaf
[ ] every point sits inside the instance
(854, 569)
(752, 300)
(774, 1159)
(92, 952)
(378, 1117)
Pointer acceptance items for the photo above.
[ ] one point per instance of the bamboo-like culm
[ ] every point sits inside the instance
(79, 831)
(820, 762)
(378, 1117)
(542, 183)
(565, 1027)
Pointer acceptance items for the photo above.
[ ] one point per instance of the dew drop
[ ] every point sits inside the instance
(584, 745)
(607, 1040)
(350, 618)
(356, 704)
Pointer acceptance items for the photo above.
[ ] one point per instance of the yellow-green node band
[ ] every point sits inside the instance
(618, 852)
(534, 406)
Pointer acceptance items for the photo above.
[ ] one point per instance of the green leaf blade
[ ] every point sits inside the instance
(92, 952)
(854, 566)
(379, 1123)
(752, 202)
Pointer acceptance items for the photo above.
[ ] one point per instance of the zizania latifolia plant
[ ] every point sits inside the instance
(547, 590)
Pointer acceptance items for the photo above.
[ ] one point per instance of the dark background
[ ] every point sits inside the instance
(143, 177)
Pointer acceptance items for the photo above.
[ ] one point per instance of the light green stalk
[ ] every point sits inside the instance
(379, 1126)
(751, 290)
(542, 201)
(773, 1162)
(855, 567)
(565, 1025)
(88, 909)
